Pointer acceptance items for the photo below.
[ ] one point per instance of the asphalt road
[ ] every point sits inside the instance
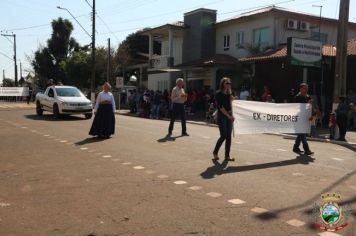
(56, 180)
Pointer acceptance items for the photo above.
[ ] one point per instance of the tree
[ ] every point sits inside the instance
(8, 82)
(48, 60)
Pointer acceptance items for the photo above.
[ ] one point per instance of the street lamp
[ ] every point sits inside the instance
(63, 8)
(321, 8)
(92, 80)
(15, 61)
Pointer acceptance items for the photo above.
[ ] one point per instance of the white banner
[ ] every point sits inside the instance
(262, 117)
(14, 91)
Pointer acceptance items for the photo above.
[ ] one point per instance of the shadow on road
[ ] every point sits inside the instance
(168, 138)
(50, 117)
(216, 169)
(220, 169)
(90, 140)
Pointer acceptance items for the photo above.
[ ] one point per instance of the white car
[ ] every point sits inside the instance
(64, 100)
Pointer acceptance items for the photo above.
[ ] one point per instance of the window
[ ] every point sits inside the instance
(240, 39)
(50, 93)
(226, 42)
(68, 92)
(261, 37)
(323, 37)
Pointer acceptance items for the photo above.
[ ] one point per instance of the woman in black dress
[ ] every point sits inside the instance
(225, 119)
(104, 111)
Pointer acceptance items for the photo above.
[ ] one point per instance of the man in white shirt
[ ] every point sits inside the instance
(178, 98)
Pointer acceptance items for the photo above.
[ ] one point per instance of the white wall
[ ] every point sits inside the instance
(158, 81)
(177, 49)
(247, 27)
(278, 33)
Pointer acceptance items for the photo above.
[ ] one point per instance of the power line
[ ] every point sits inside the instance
(103, 21)
(6, 56)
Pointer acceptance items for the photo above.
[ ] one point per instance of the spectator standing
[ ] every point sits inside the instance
(342, 112)
(244, 94)
(332, 125)
(265, 94)
(157, 97)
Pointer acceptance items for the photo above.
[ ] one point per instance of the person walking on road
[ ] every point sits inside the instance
(104, 111)
(178, 98)
(225, 118)
(342, 112)
(302, 97)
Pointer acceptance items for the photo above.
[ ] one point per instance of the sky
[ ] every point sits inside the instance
(30, 20)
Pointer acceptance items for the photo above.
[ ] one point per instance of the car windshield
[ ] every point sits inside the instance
(68, 92)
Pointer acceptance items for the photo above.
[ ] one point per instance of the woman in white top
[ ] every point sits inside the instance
(104, 111)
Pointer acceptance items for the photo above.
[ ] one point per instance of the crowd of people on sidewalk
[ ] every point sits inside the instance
(158, 104)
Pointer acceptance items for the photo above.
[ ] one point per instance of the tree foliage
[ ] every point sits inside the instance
(48, 59)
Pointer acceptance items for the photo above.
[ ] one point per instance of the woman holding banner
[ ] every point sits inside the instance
(225, 119)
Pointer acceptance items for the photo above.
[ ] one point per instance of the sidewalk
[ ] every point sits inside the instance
(323, 134)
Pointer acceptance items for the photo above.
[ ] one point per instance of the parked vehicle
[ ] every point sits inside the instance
(63, 100)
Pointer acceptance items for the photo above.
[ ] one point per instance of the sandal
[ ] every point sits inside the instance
(229, 159)
(215, 157)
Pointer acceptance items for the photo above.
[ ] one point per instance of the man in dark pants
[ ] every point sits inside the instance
(178, 98)
(302, 97)
(342, 112)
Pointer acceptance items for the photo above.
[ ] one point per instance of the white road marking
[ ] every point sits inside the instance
(107, 156)
(139, 167)
(206, 137)
(63, 141)
(295, 223)
(162, 176)
(236, 201)
(179, 182)
(337, 159)
(329, 234)
(127, 163)
(23, 127)
(99, 153)
(150, 172)
(117, 159)
(281, 150)
(84, 148)
(237, 142)
(259, 210)
(214, 194)
(4, 204)
(297, 174)
(249, 163)
(195, 188)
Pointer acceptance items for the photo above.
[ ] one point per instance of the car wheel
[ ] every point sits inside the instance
(39, 109)
(88, 116)
(56, 114)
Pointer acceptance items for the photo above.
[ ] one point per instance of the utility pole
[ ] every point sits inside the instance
(108, 73)
(92, 81)
(20, 70)
(14, 36)
(341, 51)
(3, 74)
